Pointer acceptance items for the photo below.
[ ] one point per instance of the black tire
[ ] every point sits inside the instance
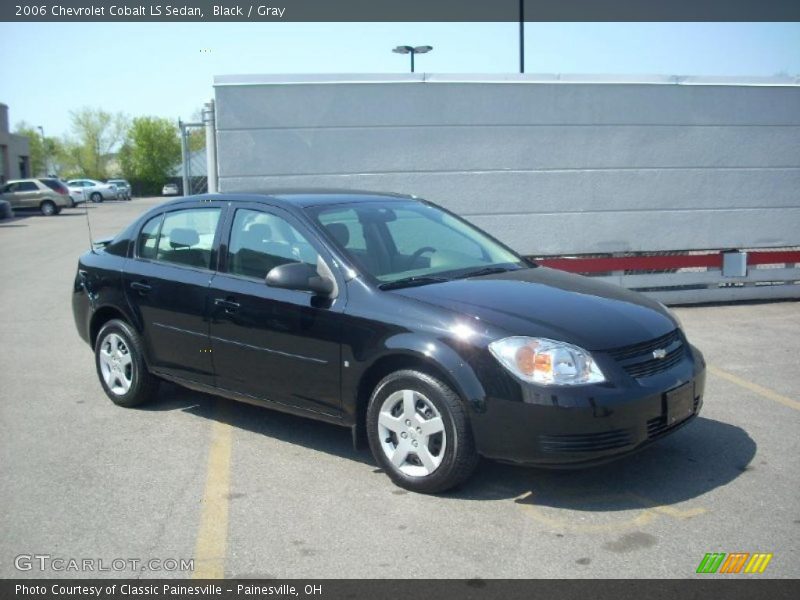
(48, 208)
(459, 456)
(96, 197)
(143, 386)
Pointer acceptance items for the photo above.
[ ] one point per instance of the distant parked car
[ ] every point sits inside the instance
(6, 212)
(123, 188)
(170, 189)
(47, 195)
(96, 191)
(76, 193)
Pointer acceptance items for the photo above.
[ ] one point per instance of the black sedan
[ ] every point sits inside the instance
(391, 316)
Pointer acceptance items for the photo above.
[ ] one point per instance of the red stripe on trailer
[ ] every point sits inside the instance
(633, 263)
(773, 258)
(658, 262)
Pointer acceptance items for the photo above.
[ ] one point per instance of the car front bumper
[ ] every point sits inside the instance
(588, 425)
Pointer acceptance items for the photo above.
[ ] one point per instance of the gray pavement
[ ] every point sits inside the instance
(250, 492)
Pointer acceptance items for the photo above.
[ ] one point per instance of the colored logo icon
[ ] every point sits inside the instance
(736, 562)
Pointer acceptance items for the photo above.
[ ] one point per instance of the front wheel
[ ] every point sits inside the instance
(419, 432)
(121, 367)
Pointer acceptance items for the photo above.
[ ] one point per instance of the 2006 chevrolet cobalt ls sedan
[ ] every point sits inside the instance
(391, 316)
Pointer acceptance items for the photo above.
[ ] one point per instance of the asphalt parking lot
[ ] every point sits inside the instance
(248, 492)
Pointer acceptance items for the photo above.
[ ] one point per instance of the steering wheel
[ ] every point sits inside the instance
(413, 258)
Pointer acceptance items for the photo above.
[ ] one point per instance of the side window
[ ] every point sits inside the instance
(261, 241)
(187, 237)
(27, 186)
(148, 238)
(9, 187)
(346, 229)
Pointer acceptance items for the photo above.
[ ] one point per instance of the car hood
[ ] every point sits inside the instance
(554, 304)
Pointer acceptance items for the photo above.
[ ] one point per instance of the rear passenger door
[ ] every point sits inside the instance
(274, 344)
(166, 283)
(25, 195)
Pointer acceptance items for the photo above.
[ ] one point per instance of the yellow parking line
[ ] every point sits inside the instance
(755, 388)
(212, 536)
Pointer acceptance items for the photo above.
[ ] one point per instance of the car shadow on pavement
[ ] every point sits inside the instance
(704, 455)
(302, 431)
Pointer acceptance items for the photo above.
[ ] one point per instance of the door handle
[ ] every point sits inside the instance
(226, 303)
(141, 287)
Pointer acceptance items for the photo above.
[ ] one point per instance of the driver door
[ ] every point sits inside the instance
(274, 345)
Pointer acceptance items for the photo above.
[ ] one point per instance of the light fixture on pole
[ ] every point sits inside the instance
(412, 50)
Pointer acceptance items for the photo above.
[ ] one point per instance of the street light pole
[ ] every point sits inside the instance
(412, 50)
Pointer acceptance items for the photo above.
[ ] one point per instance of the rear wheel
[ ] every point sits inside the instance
(121, 367)
(419, 432)
(96, 197)
(48, 208)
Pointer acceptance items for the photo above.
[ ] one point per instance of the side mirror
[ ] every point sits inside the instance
(301, 277)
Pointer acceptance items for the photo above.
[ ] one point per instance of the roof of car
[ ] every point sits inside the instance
(300, 197)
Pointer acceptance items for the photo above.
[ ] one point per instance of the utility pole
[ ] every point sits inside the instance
(521, 36)
(185, 156)
(211, 146)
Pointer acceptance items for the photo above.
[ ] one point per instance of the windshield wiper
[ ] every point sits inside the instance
(411, 281)
(486, 271)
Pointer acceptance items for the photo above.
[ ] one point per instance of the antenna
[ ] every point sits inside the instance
(88, 224)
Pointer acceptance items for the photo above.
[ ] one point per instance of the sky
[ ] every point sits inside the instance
(167, 69)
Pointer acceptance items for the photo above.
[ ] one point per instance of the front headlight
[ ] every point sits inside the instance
(546, 362)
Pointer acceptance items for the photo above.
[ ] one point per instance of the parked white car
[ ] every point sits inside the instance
(94, 190)
(170, 189)
(76, 193)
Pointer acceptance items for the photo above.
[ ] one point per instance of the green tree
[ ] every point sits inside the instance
(151, 150)
(95, 135)
(43, 152)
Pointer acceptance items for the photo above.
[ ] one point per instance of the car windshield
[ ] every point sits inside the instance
(412, 243)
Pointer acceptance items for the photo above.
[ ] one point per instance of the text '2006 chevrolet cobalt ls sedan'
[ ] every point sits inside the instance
(391, 316)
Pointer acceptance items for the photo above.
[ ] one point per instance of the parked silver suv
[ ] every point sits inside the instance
(123, 188)
(47, 195)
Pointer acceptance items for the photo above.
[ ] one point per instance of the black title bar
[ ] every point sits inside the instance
(400, 589)
(399, 10)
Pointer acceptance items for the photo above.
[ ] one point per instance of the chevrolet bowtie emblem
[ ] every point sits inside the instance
(659, 353)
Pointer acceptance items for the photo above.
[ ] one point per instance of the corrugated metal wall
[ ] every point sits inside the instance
(550, 167)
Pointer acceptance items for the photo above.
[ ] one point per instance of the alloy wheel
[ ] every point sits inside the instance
(116, 364)
(412, 434)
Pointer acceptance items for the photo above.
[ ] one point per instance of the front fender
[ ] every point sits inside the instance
(445, 358)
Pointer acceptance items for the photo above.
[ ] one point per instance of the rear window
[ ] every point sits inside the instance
(54, 184)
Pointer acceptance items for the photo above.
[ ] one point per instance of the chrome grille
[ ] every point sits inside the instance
(638, 360)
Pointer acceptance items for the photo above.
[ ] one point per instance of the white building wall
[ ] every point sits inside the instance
(550, 166)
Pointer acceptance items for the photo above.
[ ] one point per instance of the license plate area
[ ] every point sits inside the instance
(680, 403)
